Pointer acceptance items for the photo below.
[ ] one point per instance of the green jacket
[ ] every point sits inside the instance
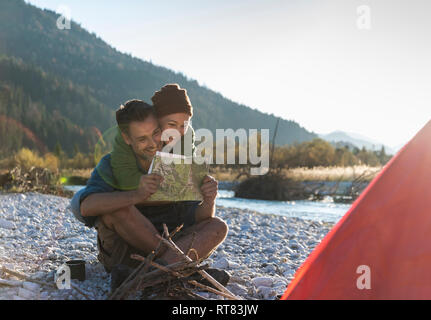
(125, 166)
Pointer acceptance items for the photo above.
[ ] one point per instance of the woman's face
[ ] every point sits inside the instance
(177, 121)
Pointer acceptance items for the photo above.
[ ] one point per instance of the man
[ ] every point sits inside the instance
(126, 223)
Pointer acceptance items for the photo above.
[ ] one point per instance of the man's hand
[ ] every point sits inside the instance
(148, 185)
(209, 189)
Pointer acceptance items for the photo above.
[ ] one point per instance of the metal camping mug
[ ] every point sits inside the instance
(77, 269)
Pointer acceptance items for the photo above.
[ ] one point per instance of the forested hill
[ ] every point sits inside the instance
(63, 86)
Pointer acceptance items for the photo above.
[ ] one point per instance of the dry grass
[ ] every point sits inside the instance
(333, 173)
(366, 173)
(85, 173)
(225, 174)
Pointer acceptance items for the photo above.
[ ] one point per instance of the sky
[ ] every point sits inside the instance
(358, 66)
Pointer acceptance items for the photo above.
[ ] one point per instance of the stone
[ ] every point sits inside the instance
(295, 255)
(238, 289)
(233, 265)
(237, 279)
(286, 248)
(221, 263)
(293, 244)
(5, 224)
(262, 281)
(266, 292)
(39, 275)
(31, 286)
(204, 294)
(270, 269)
(27, 294)
(44, 295)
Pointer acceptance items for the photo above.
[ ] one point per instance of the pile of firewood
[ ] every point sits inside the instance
(174, 281)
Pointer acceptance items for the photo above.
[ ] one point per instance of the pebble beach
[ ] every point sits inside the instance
(38, 233)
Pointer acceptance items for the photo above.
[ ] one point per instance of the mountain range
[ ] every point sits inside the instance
(63, 87)
(352, 140)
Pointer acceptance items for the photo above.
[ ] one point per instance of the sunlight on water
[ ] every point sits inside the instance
(314, 210)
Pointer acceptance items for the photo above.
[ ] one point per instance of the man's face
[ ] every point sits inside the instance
(144, 137)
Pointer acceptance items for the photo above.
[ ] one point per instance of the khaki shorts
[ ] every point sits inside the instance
(114, 250)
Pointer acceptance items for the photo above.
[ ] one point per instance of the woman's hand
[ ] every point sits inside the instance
(209, 189)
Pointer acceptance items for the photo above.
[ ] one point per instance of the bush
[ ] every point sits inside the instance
(26, 159)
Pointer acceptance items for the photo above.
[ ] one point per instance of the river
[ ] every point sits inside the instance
(325, 210)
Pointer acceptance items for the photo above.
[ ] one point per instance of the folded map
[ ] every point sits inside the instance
(182, 178)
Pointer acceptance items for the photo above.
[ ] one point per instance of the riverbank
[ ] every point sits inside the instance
(38, 233)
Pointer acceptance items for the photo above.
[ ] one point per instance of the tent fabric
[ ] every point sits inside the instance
(387, 230)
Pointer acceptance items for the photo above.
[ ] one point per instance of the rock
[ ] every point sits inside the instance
(18, 298)
(280, 283)
(204, 294)
(5, 224)
(286, 248)
(295, 255)
(238, 280)
(249, 252)
(39, 275)
(288, 274)
(10, 283)
(221, 253)
(266, 292)
(245, 228)
(238, 289)
(262, 281)
(221, 263)
(27, 294)
(270, 269)
(31, 286)
(44, 295)
(293, 244)
(233, 265)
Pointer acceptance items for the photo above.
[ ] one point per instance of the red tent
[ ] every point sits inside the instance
(381, 248)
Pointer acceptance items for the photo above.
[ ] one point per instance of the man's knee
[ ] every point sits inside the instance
(220, 228)
(111, 219)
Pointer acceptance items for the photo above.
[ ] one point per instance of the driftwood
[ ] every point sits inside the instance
(24, 277)
(10, 283)
(34, 179)
(168, 282)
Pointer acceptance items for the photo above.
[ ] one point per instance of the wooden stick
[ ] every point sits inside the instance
(200, 285)
(14, 273)
(10, 283)
(135, 278)
(81, 292)
(176, 230)
(125, 283)
(154, 264)
(131, 280)
(203, 273)
(26, 278)
(52, 285)
(194, 251)
(165, 229)
(198, 296)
